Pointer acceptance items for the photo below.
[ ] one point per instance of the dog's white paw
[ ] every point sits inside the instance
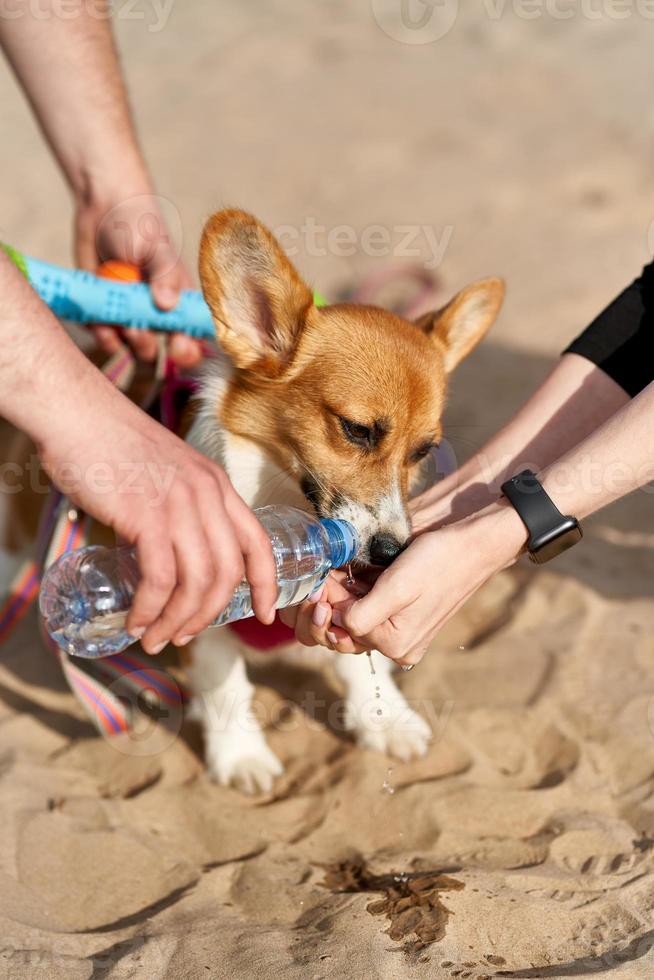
(246, 763)
(399, 731)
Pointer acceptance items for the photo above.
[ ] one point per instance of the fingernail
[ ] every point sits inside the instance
(183, 640)
(333, 639)
(317, 595)
(159, 647)
(337, 618)
(137, 632)
(319, 616)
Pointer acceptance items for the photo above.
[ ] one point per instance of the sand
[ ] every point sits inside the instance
(523, 844)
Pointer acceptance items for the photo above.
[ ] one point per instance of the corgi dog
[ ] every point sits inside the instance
(332, 410)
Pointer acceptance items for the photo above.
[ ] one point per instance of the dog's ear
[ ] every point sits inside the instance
(460, 325)
(257, 299)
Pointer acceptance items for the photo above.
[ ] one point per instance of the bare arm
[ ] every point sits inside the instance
(413, 598)
(69, 70)
(574, 400)
(68, 67)
(614, 460)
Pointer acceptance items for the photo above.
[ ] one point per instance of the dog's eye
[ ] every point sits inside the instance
(360, 435)
(422, 452)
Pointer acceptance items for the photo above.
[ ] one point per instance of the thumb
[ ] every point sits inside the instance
(164, 268)
(359, 617)
(387, 597)
(165, 278)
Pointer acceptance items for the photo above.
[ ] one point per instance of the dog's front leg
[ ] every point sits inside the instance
(377, 711)
(236, 751)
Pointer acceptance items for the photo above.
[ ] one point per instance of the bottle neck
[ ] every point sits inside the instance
(343, 541)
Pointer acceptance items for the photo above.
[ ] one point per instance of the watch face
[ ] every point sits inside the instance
(548, 547)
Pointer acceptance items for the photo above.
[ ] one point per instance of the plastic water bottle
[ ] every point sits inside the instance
(86, 595)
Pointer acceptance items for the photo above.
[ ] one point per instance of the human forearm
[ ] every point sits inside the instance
(413, 598)
(69, 70)
(572, 402)
(42, 374)
(614, 460)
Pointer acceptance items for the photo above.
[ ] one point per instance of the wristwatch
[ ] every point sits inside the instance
(550, 533)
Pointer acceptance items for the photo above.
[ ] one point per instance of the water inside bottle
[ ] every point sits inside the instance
(105, 636)
(291, 591)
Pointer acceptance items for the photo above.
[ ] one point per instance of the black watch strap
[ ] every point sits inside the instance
(535, 506)
(550, 532)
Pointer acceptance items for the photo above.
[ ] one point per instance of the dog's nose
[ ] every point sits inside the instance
(384, 548)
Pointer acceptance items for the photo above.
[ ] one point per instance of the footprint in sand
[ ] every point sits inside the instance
(515, 748)
(469, 970)
(599, 851)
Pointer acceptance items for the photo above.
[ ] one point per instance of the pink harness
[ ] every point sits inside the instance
(261, 637)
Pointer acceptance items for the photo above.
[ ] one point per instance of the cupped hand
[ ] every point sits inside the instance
(414, 598)
(312, 619)
(133, 229)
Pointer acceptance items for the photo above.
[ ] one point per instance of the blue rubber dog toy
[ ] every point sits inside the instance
(73, 294)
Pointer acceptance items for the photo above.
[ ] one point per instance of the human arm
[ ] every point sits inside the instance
(610, 361)
(399, 616)
(194, 536)
(575, 398)
(69, 70)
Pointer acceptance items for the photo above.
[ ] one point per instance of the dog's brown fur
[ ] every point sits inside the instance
(301, 370)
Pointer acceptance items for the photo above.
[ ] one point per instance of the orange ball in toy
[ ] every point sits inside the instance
(121, 271)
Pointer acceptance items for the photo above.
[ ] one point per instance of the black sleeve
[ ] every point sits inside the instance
(621, 339)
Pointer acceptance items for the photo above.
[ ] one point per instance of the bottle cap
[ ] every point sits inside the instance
(343, 541)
